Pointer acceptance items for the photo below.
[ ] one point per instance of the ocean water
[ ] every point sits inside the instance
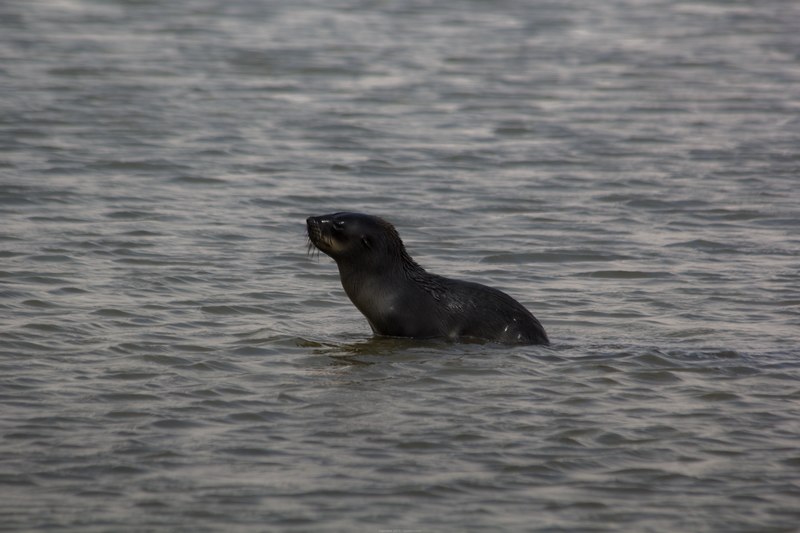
(172, 358)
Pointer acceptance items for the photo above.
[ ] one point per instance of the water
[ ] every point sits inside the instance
(173, 360)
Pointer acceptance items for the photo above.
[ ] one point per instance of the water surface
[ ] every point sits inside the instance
(171, 358)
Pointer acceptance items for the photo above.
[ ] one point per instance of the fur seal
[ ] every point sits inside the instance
(401, 299)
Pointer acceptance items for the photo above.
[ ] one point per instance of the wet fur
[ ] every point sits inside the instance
(400, 298)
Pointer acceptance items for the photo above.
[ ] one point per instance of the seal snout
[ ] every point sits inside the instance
(312, 222)
(313, 230)
(316, 234)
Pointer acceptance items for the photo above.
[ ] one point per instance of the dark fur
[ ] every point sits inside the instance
(400, 299)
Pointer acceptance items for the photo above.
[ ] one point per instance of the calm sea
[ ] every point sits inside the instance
(172, 359)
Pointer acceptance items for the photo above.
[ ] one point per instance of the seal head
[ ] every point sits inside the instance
(399, 298)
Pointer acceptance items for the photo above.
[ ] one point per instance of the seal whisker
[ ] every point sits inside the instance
(312, 251)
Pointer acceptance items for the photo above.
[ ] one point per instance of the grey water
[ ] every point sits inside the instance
(172, 358)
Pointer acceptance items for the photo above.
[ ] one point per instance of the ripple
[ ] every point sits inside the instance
(705, 245)
(127, 397)
(129, 214)
(198, 180)
(250, 452)
(718, 396)
(231, 310)
(178, 424)
(658, 376)
(626, 274)
(114, 313)
(127, 414)
(167, 360)
(554, 256)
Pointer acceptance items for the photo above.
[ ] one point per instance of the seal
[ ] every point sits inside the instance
(399, 298)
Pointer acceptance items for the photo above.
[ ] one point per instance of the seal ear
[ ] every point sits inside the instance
(366, 243)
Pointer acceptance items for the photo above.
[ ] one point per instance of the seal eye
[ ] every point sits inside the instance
(337, 226)
(365, 242)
